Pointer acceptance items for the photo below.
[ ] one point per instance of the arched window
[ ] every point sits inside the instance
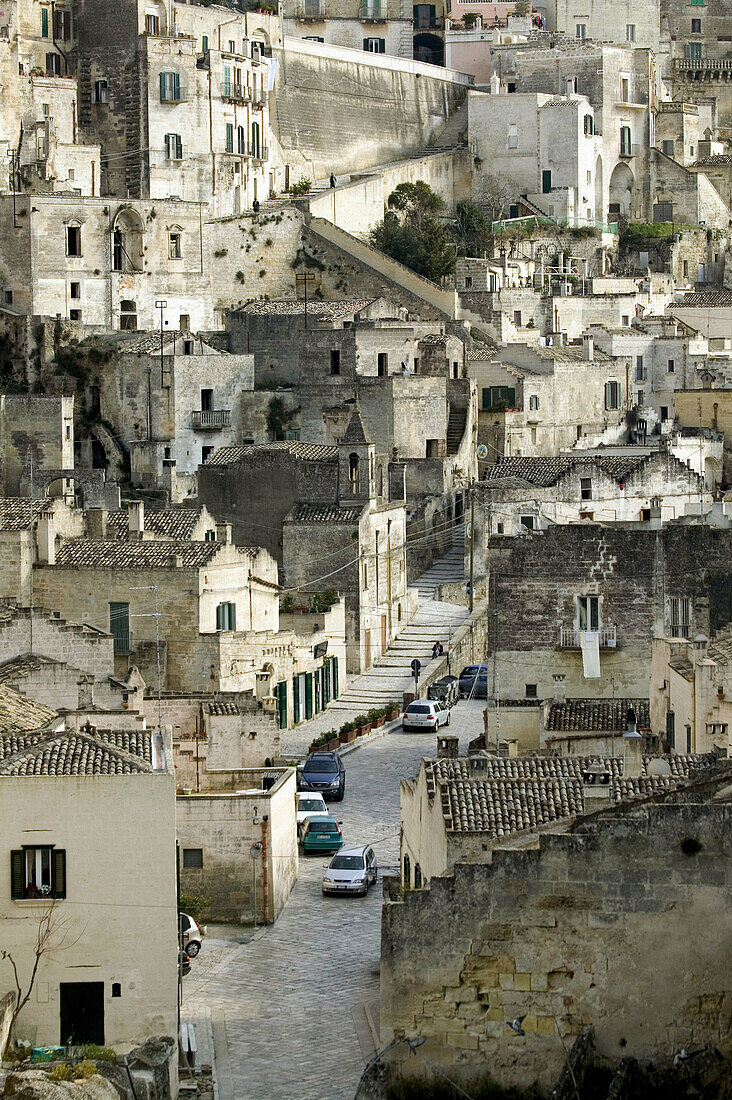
(354, 472)
(256, 143)
(241, 144)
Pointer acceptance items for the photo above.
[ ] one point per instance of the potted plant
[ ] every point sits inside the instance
(392, 712)
(347, 733)
(377, 717)
(362, 724)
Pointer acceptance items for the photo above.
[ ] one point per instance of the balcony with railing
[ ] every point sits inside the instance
(711, 65)
(629, 150)
(210, 420)
(236, 93)
(121, 641)
(313, 11)
(259, 152)
(259, 100)
(571, 639)
(373, 12)
(429, 23)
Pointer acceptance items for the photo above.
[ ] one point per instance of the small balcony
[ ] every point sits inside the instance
(259, 152)
(570, 639)
(236, 93)
(630, 150)
(177, 94)
(429, 23)
(121, 641)
(373, 13)
(259, 100)
(312, 12)
(210, 420)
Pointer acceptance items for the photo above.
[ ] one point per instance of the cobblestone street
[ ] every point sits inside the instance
(298, 1002)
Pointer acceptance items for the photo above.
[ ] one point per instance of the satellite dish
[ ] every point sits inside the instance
(658, 767)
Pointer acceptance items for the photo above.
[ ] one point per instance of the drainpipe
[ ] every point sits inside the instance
(265, 868)
(53, 38)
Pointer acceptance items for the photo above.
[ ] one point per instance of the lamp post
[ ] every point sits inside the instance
(162, 305)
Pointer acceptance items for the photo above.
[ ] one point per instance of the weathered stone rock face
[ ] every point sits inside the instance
(36, 1084)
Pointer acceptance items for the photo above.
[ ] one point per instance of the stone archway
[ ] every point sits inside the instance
(599, 201)
(429, 48)
(622, 182)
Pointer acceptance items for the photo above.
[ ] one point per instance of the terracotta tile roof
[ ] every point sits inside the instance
(324, 513)
(707, 298)
(501, 808)
(81, 752)
(714, 160)
(546, 471)
(293, 307)
(169, 523)
(221, 708)
(596, 714)
(438, 339)
(18, 714)
(308, 452)
(20, 667)
(15, 512)
(482, 354)
(720, 648)
(157, 554)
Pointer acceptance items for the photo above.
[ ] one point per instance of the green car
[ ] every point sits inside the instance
(321, 834)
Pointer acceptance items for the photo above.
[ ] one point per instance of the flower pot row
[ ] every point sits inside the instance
(346, 735)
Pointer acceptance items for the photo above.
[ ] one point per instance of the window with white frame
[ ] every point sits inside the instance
(101, 91)
(175, 243)
(580, 30)
(173, 147)
(512, 135)
(588, 612)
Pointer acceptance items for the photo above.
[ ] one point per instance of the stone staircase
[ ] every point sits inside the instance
(455, 429)
(456, 130)
(448, 570)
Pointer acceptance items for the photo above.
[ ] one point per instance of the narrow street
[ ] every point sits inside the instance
(298, 1003)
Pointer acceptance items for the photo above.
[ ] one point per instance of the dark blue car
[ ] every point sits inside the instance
(323, 772)
(474, 682)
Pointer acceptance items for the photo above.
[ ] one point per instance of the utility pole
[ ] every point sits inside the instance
(32, 550)
(161, 304)
(471, 597)
(388, 577)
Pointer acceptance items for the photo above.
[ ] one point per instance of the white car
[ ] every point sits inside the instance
(351, 871)
(190, 935)
(310, 805)
(425, 714)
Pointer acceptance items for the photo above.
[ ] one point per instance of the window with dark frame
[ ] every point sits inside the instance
(73, 240)
(38, 872)
(193, 859)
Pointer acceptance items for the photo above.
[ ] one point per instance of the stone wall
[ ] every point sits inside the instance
(591, 927)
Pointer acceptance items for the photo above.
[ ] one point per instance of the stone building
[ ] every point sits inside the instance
(216, 831)
(534, 493)
(691, 691)
(638, 26)
(545, 928)
(623, 585)
(595, 727)
(377, 26)
(36, 437)
(178, 97)
(88, 831)
(698, 410)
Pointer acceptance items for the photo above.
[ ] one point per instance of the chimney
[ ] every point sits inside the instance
(495, 83)
(447, 747)
(46, 538)
(632, 748)
(569, 85)
(136, 519)
(86, 691)
(588, 348)
(560, 692)
(223, 533)
(96, 522)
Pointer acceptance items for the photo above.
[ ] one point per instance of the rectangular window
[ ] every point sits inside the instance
(586, 488)
(374, 45)
(530, 691)
(580, 30)
(101, 91)
(206, 453)
(693, 50)
(612, 395)
(517, 318)
(546, 181)
(193, 859)
(534, 401)
(527, 522)
(173, 147)
(335, 361)
(73, 240)
(206, 400)
(210, 534)
(626, 320)
(8, 295)
(512, 137)
(74, 314)
(671, 367)
(119, 626)
(226, 616)
(44, 22)
(679, 616)
(630, 32)
(588, 612)
(229, 137)
(204, 43)
(175, 250)
(696, 26)
(664, 412)
(382, 364)
(667, 147)
(640, 370)
(152, 24)
(62, 24)
(624, 89)
(502, 396)
(170, 88)
(589, 125)
(626, 145)
(53, 64)
(38, 873)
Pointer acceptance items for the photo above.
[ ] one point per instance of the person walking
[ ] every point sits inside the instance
(332, 180)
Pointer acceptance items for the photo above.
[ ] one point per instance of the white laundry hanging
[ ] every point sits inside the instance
(590, 646)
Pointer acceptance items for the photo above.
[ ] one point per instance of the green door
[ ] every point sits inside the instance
(282, 703)
(295, 700)
(308, 695)
(546, 181)
(334, 668)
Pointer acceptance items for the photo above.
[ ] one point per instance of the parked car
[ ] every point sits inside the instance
(425, 714)
(323, 772)
(352, 871)
(474, 681)
(309, 805)
(190, 935)
(446, 690)
(321, 834)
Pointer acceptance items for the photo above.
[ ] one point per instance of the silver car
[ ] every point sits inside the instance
(351, 871)
(425, 714)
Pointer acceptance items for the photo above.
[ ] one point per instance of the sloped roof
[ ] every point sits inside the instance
(325, 513)
(18, 714)
(20, 667)
(596, 714)
(720, 648)
(293, 307)
(169, 523)
(157, 554)
(80, 752)
(217, 708)
(545, 471)
(15, 512)
(355, 432)
(308, 452)
(707, 298)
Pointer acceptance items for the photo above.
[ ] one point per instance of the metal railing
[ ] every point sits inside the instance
(238, 93)
(630, 150)
(259, 99)
(210, 420)
(373, 13)
(570, 639)
(173, 95)
(260, 152)
(429, 23)
(314, 12)
(121, 641)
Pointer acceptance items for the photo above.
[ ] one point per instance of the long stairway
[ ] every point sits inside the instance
(447, 570)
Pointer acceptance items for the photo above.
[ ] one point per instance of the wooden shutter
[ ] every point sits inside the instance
(308, 694)
(58, 872)
(162, 86)
(176, 86)
(17, 872)
(335, 677)
(220, 616)
(232, 616)
(296, 698)
(44, 22)
(282, 703)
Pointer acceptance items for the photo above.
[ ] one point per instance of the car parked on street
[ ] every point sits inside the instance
(321, 834)
(309, 805)
(425, 714)
(323, 772)
(352, 871)
(190, 935)
(446, 690)
(474, 682)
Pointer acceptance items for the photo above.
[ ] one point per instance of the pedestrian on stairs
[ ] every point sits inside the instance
(437, 650)
(332, 180)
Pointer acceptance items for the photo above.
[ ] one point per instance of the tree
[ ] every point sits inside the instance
(413, 234)
(495, 195)
(52, 934)
(472, 230)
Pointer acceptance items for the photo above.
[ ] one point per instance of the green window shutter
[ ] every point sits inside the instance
(335, 677)
(232, 616)
(546, 181)
(204, 43)
(58, 873)
(486, 394)
(282, 703)
(162, 85)
(229, 137)
(220, 616)
(44, 22)
(296, 699)
(176, 85)
(325, 673)
(308, 695)
(16, 867)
